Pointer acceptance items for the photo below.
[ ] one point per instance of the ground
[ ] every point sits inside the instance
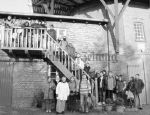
(33, 111)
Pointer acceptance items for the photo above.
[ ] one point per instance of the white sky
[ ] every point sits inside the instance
(23, 6)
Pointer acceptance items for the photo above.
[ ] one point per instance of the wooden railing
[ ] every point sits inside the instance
(24, 38)
(28, 38)
(62, 56)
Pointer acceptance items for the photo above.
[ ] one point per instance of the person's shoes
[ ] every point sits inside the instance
(100, 103)
(103, 103)
(47, 111)
(140, 108)
(63, 112)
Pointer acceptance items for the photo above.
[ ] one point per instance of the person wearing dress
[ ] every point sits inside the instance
(62, 93)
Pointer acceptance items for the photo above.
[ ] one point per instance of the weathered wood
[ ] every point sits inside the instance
(107, 8)
(96, 90)
(123, 9)
(56, 17)
(74, 2)
(45, 6)
(52, 7)
(116, 25)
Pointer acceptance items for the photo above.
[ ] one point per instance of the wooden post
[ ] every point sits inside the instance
(105, 5)
(123, 9)
(52, 7)
(108, 64)
(96, 90)
(116, 25)
(49, 70)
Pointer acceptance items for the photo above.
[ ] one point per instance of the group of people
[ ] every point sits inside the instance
(113, 87)
(79, 94)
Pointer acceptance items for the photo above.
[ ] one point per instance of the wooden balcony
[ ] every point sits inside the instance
(25, 42)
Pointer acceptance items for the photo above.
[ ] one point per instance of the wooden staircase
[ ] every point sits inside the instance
(35, 43)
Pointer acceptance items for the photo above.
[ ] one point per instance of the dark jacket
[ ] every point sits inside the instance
(135, 86)
(52, 33)
(87, 69)
(104, 83)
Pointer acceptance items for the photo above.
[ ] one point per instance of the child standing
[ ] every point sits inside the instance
(62, 93)
(49, 94)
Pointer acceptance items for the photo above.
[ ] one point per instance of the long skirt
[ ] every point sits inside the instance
(60, 107)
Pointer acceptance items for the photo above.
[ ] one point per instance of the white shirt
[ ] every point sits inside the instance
(79, 62)
(62, 90)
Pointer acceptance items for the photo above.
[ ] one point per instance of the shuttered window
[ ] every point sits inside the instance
(139, 31)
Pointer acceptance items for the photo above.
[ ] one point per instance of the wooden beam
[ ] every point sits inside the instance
(74, 2)
(45, 6)
(52, 7)
(39, 2)
(124, 8)
(116, 25)
(107, 8)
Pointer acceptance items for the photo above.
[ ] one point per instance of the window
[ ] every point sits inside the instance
(139, 31)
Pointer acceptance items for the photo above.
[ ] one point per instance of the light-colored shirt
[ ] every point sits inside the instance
(62, 90)
(110, 83)
(79, 63)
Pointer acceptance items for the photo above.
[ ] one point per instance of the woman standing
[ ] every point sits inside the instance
(62, 93)
(49, 94)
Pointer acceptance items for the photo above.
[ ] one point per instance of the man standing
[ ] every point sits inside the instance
(102, 88)
(139, 85)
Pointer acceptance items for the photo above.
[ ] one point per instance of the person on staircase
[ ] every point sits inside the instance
(63, 45)
(52, 32)
(62, 93)
(79, 65)
(87, 68)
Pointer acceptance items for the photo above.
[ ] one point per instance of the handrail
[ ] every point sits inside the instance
(69, 56)
(31, 38)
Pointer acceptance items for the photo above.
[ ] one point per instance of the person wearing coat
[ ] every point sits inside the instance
(111, 84)
(49, 94)
(62, 93)
(102, 86)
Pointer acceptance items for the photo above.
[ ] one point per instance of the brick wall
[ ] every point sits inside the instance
(28, 79)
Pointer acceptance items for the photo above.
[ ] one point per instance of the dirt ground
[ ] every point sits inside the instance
(33, 111)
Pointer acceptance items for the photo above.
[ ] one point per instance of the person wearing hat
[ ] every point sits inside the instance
(62, 93)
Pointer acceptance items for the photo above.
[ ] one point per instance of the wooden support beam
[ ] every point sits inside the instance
(11, 53)
(52, 7)
(39, 2)
(74, 2)
(123, 9)
(27, 53)
(107, 8)
(45, 6)
(116, 25)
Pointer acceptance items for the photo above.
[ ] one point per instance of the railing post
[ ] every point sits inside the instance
(2, 35)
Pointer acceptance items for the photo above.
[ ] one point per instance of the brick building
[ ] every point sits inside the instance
(22, 78)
